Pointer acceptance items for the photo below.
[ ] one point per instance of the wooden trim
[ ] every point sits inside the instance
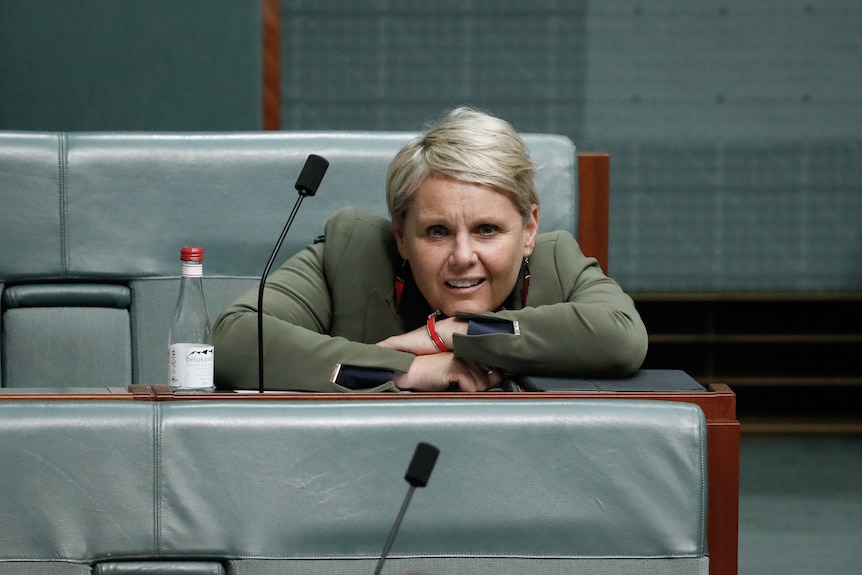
(271, 12)
(594, 184)
(723, 440)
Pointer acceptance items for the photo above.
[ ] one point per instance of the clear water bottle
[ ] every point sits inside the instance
(191, 354)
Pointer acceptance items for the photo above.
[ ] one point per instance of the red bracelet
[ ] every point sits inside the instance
(432, 332)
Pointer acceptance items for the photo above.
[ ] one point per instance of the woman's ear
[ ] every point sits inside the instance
(531, 229)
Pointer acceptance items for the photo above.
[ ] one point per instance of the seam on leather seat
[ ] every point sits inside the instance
(62, 176)
(157, 476)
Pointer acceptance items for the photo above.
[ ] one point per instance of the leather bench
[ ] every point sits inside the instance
(313, 486)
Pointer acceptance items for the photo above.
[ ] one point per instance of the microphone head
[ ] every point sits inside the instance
(421, 465)
(311, 175)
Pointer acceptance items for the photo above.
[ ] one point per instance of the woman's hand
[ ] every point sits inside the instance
(438, 371)
(418, 342)
(433, 370)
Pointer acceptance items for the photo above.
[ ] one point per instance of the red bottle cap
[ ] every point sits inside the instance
(192, 254)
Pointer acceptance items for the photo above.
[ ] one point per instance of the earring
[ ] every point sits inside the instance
(399, 283)
(525, 286)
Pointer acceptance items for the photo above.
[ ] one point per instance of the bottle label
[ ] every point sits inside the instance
(191, 366)
(192, 269)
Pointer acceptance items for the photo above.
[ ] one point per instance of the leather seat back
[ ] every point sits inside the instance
(110, 211)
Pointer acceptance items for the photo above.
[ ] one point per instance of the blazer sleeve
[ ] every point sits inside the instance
(299, 353)
(577, 323)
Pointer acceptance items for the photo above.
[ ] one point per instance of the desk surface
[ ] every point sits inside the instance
(645, 380)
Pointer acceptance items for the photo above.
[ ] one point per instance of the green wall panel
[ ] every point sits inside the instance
(734, 127)
(124, 65)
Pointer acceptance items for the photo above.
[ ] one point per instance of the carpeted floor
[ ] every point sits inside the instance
(800, 508)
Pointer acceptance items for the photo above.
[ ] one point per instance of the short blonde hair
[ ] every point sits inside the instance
(469, 146)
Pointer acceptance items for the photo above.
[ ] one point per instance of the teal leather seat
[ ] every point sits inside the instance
(313, 486)
(88, 217)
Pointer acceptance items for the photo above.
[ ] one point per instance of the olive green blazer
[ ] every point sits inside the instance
(333, 300)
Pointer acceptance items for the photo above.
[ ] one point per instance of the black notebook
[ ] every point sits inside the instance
(642, 381)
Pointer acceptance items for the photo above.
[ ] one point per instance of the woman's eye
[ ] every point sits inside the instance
(487, 229)
(436, 231)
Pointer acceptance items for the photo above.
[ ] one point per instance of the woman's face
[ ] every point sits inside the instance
(465, 244)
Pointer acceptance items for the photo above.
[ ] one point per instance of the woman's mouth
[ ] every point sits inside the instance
(464, 283)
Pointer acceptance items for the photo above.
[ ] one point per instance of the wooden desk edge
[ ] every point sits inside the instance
(718, 402)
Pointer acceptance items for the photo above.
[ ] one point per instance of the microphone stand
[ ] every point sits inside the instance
(418, 473)
(306, 185)
(395, 527)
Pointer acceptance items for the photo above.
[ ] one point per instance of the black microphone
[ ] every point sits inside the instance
(306, 184)
(417, 475)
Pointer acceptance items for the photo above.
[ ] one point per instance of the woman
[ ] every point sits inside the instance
(456, 292)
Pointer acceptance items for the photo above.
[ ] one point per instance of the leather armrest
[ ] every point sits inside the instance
(67, 295)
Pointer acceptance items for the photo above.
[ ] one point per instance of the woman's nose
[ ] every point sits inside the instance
(463, 251)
